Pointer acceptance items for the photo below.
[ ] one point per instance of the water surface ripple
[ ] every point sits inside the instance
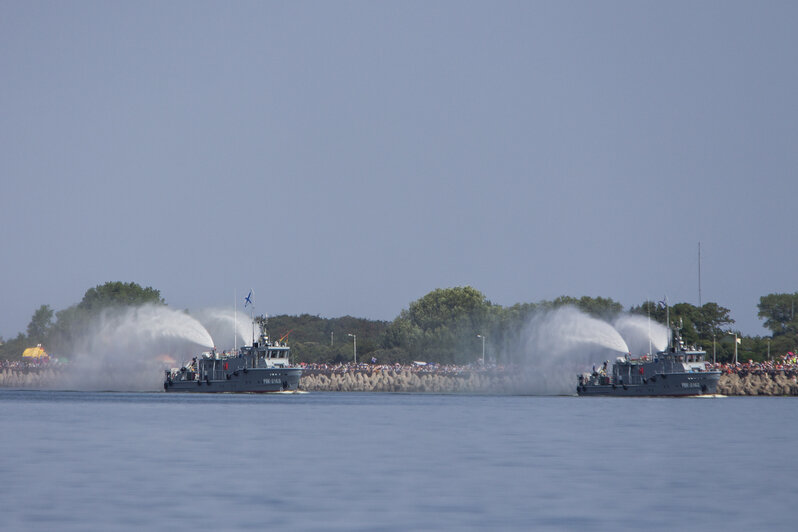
(394, 462)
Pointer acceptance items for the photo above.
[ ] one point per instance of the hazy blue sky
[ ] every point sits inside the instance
(349, 157)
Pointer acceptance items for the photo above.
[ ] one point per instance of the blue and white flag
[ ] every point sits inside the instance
(248, 299)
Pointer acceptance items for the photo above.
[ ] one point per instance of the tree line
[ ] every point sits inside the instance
(58, 331)
(442, 326)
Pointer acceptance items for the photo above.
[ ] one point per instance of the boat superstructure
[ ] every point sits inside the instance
(678, 371)
(262, 367)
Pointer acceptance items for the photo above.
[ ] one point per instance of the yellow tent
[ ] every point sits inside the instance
(34, 352)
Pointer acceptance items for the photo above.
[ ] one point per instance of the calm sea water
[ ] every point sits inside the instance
(337, 461)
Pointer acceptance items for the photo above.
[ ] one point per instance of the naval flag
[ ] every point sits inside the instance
(248, 299)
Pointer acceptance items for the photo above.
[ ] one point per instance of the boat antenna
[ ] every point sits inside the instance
(252, 320)
(248, 303)
(649, 331)
(235, 320)
(699, 274)
(668, 321)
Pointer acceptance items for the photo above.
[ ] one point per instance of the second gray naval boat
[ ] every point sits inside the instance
(678, 371)
(262, 367)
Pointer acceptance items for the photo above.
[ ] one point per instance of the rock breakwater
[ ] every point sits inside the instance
(410, 382)
(763, 384)
(44, 378)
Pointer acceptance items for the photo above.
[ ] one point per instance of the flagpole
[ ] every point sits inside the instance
(235, 320)
(649, 332)
(252, 318)
(248, 303)
(699, 274)
(668, 322)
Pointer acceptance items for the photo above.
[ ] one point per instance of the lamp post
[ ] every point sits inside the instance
(354, 337)
(723, 335)
(483, 347)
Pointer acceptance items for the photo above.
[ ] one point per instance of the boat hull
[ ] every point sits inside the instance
(253, 380)
(663, 385)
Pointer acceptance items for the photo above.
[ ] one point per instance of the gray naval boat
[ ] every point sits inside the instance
(678, 371)
(263, 367)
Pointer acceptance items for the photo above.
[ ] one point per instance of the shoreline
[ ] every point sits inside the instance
(776, 383)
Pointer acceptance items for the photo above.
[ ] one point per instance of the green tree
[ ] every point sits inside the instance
(73, 322)
(685, 316)
(69, 324)
(783, 344)
(655, 310)
(447, 305)
(713, 320)
(442, 326)
(119, 294)
(404, 335)
(598, 307)
(40, 325)
(317, 339)
(778, 311)
(700, 325)
(13, 348)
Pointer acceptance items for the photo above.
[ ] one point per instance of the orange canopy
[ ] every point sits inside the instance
(166, 359)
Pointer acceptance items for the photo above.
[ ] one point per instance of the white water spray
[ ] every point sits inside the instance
(126, 349)
(151, 323)
(221, 324)
(559, 344)
(637, 330)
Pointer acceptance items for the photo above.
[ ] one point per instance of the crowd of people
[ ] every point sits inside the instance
(422, 368)
(27, 363)
(787, 365)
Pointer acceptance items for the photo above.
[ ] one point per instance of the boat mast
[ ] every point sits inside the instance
(649, 331)
(699, 274)
(235, 320)
(252, 320)
(668, 321)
